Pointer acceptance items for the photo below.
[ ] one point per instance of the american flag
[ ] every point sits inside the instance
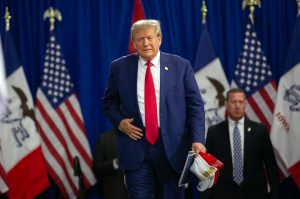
(254, 76)
(61, 124)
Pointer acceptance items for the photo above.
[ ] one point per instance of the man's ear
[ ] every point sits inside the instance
(160, 41)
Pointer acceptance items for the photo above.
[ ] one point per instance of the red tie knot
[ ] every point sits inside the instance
(149, 64)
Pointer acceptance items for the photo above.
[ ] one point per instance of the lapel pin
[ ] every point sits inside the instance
(166, 68)
(249, 129)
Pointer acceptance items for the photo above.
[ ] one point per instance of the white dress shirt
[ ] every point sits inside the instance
(155, 70)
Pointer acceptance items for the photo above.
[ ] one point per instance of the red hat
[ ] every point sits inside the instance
(206, 167)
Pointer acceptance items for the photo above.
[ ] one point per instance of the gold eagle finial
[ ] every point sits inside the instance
(7, 18)
(298, 3)
(251, 4)
(204, 11)
(52, 13)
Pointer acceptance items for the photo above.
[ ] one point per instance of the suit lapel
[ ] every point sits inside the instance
(132, 82)
(164, 78)
(247, 134)
(227, 140)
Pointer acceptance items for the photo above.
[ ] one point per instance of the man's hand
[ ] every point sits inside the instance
(198, 147)
(132, 131)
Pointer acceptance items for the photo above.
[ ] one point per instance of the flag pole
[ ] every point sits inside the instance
(251, 4)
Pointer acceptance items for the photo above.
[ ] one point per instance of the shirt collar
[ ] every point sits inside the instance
(155, 60)
(232, 122)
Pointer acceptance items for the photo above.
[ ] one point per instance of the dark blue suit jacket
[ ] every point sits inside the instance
(258, 158)
(182, 119)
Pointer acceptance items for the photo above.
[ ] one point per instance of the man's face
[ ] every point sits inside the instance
(236, 105)
(147, 43)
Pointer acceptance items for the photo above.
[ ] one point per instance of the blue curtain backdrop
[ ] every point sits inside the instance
(93, 33)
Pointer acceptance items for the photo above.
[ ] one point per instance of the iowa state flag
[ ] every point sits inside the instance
(211, 80)
(23, 162)
(285, 133)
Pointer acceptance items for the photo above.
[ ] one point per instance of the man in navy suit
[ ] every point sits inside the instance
(258, 164)
(154, 166)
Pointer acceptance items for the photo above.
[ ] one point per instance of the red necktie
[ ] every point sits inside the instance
(150, 107)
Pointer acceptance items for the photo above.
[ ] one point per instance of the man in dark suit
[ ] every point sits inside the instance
(160, 120)
(256, 157)
(106, 168)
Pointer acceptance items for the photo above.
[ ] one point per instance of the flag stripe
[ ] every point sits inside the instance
(267, 99)
(262, 104)
(257, 110)
(74, 112)
(261, 101)
(271, 89)
(249, 113)
(56, 171)
(73, 137)
(80, 138)
(55, 161)
(54, 128)
(275, 87)
(54, 144)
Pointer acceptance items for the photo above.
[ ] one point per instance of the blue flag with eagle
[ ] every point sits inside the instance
(211, 80)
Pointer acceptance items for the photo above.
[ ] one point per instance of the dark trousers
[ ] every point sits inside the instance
(155, 177)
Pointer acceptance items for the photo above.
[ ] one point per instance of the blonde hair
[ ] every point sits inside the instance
(144, 24)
